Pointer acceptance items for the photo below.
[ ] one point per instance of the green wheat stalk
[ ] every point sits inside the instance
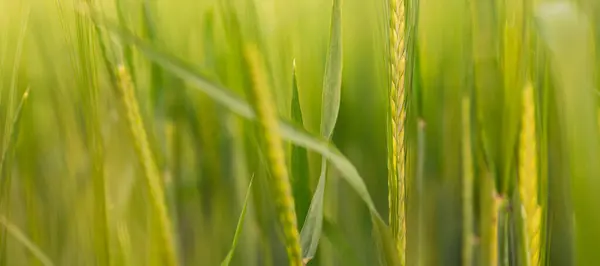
(142, 148)
(528, 179)
(467, 188)
(397, 117)
(267, 117)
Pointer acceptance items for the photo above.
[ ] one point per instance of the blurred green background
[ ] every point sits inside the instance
(201, 148)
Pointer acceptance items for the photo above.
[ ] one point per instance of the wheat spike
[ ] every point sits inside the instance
(142, 148)
(397, 112)
(528, 179)
(267, 117)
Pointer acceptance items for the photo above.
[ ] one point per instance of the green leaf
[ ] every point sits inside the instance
(300, 175)
(22, 238)
(332, 82)
(8, 148)
(238, 228)
(566, 33)
(5, 161)
(332, 87)
(313, 225)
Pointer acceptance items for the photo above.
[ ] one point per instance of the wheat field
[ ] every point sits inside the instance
(299, 132)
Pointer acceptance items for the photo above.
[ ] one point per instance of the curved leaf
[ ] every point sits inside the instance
(332, 82)
(313, 225)
(299, 160)
(332, 88)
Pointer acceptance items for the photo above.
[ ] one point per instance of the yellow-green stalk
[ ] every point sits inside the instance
(490, 208)
(152, 177)
(397, 116)
(467, 187)
(267, 116)
(528, 178)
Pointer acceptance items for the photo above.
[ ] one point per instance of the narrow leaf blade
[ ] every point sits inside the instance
(313, 225)
(332, 85)
(300, 175)
(238, 228)
(332, 82)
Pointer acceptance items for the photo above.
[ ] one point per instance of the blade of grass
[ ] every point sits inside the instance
(313, 225)
(12, 139)
(488, 80)
(7, 150)
(5, 175)
(22, 238)
(332, 81)
(238, 228)
(300, 175)
(332, 89)
(514, 69)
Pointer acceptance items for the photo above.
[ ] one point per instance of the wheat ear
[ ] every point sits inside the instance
(397, 113)
(282, 191)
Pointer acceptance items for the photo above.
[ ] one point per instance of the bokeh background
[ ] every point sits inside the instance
(206, 159)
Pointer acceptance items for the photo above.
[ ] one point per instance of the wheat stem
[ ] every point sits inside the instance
(467, 188)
